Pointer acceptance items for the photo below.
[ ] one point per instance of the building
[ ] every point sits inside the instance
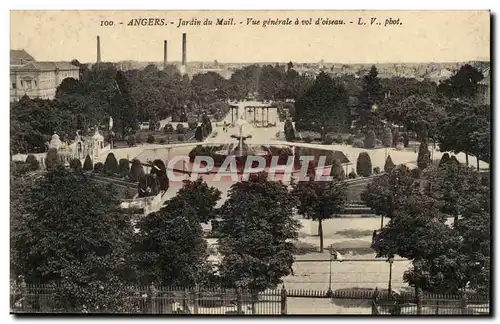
(37, 79)
(484, 89)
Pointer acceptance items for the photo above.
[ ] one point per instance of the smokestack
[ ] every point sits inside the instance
(98, 50)
(184, 49)
(164, 54)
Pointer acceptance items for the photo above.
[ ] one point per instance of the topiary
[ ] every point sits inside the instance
(32, 163)
(76, 165)
(180, 137)
(376, 170)
(389, 165)
(168, 129)
(52, 159)
(444, 159)
(162, 141)
(328, 140)
(192, 125)
(87, 164)
(339, 139)
(98, 167)
(416, 173)
(387, 137)
(123, 167)
(364, 164)
(180, 129)
(151, 139)
(337, 172)
(370, 140)
(352, 175)
(136, 171)
(453, 159)
(111, 165)
(424, 156)
(350, 140)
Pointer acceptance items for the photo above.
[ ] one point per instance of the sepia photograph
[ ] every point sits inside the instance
(257, 162)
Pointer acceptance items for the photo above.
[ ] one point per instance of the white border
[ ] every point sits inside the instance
(147, 4)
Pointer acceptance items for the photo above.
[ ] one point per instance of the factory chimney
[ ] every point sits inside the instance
(98, 50)
(183, 66)
(164, 54)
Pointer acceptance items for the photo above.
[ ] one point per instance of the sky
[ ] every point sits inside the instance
(418, 36)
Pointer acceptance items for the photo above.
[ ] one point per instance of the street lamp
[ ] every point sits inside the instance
(390, 260)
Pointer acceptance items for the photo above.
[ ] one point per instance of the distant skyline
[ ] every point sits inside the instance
(423, 37)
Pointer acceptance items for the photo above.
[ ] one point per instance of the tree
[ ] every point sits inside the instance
(32, 163)
(444, 159)
(98, 167)
(387, 137)
(455, 185)
(198, 134)
(389, 165)
(387, 191)
(320, 200)
(76, 165)
(111, 165)
(370, 140)
(149, 185)
(87, 164)
(323, 108)
(136, 171)
(424, 156)
(168, 129)
(463, 84)
(200, 197)
(74, 234)
(255, 228)
(160, 171)
(52, 159)
(123, 167)
(364, 164)
(289, 131)
(169, 247)
(371, 95)
(337, 172)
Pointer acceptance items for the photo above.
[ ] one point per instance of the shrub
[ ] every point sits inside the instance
(364, 165)
(168, 129)
(453, 159)
(395, 136)
(151, 139)
(180, 129)
(52, 159)
(337, 172)
(328, 140)
(339, 139)
(387, 137)
(416, 173)
(389, 165)
(98, 167)
(75, 164)
(111, 165)
(123, 167)
(444, 159)
(131, 140)
(352, 175)
(32, 163)
(376, 170)
(136, 171)
(87, 164)
(350, 140)
(192, 125)
(289, 131)
(424, 156)
(307, 139)
(154, 125)
(358, 143)
(370, 138)
(180, 137)
(162, 141)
